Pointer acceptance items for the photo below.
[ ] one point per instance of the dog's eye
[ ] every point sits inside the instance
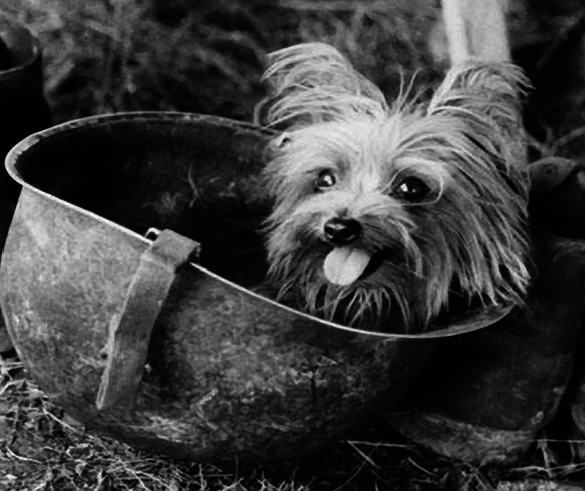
(412, 190)
(325, 179)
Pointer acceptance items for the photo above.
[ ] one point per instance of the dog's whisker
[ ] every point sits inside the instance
(388, 210)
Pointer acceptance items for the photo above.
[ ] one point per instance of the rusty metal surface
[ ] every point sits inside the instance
(229, 373)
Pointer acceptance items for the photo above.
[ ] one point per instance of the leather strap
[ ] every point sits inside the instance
(130, 331)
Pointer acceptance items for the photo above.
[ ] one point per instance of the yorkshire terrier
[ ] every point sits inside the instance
(388, 213)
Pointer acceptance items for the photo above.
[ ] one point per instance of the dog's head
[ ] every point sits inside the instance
(383, 208)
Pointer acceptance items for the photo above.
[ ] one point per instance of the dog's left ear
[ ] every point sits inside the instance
(313, 82)
(492, 90)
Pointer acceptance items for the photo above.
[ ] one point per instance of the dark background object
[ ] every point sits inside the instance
(23, 110)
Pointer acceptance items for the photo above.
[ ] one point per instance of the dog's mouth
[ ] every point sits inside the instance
(345, 265)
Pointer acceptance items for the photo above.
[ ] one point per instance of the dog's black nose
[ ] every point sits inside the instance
(342, 231)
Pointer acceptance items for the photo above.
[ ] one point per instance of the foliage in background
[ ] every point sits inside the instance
(124, 55)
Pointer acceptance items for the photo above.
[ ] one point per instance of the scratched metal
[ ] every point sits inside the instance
(230, 373)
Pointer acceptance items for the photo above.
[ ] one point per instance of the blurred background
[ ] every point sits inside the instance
(105, 56)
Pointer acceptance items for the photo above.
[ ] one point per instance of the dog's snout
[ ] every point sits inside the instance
(342, 231)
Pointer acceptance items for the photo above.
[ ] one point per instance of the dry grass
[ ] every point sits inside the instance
(105, 56)
(109, 56)
(41, 448)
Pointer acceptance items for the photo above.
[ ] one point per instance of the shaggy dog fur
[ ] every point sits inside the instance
(386, 212)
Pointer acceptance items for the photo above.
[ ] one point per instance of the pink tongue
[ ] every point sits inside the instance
(344, 265)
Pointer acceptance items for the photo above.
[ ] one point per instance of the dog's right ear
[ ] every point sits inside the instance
(492, 90)
(487, 98)
(312, 83)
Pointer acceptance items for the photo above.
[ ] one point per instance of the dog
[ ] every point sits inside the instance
(387, 214)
